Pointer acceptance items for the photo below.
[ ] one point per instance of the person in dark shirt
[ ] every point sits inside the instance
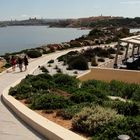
(20, 62)
(25, 61)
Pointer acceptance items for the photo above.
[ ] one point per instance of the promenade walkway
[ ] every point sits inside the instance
(11, 128)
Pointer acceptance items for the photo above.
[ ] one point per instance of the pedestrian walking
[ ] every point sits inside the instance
(20, 62)
(25, 61)
(13, 62)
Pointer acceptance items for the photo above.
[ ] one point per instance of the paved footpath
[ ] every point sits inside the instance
(11, 128)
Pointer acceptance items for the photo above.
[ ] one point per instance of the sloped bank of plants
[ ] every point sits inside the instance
(80, 60)
(85, 104)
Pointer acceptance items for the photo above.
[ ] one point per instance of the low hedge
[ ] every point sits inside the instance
(34, 54)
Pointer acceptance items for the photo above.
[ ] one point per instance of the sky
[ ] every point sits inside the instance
(23, 9)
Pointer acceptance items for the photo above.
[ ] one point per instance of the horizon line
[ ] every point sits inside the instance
(12, 19)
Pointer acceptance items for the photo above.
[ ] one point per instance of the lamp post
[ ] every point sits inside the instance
(123, 137)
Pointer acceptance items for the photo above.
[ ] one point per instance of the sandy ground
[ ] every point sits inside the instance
(52, 117)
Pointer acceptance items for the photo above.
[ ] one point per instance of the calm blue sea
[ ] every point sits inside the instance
(17, 38)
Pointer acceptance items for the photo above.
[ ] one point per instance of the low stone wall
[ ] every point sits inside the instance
(128, 76)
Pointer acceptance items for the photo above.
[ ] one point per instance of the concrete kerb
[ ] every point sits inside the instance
(88, 71)
(42, 125)
(5, 71)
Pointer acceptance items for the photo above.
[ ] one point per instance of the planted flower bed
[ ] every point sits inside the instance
(87, 107)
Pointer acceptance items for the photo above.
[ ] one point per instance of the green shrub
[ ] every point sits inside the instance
(7, 65)
(7, 57)
(127, 109)
(23, 88)
(78, 62)
(59, 70)
(56, 67)
(51, 61)
(61, 58)
(13, 91)
(21, 91)
(120, 53)
(96, 33)
(49, 101)
(100, 52)
(129, 90)
(122, 48)
(44, 51)
(101, 59)
(136, 95)
(45, 76)
(49, 65)
(111, 131)
(65, 82)
(124, 90)
(75, 72)
(33, 53)
(111, 51)
(44, 69)
(67, 56)
(88, 95)
(111, 57)
(99, 93)
(90, 119)
(40, 85)
(39, 82)
(75, 43)
(92, 84)
(89, 54)
(116, 88)
(73, 53)
(82, 96)
(108, 41)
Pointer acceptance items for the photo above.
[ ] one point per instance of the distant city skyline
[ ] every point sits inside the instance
(24, 9)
